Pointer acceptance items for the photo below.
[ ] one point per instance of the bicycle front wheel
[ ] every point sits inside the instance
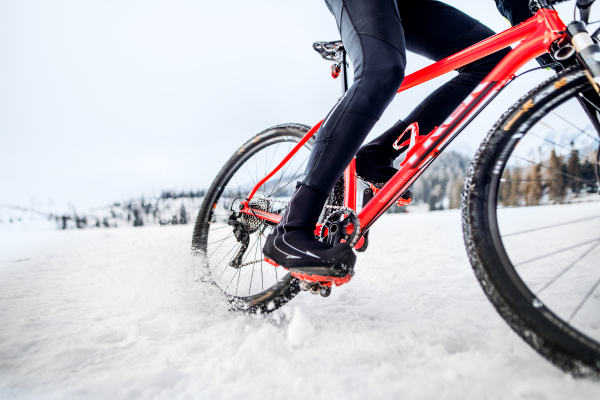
(531, 220)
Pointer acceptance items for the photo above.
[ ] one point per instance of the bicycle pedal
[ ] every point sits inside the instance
(322, 280)
(316, 288)
(404, 200)
(307, 280)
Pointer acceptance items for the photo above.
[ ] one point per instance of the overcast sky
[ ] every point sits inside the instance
(102, 101)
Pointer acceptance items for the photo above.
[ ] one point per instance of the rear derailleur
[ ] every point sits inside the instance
(242, 237)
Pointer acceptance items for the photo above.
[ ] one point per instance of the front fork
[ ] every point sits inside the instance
(588, 54)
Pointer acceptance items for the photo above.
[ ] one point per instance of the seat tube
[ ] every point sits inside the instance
(350, 185)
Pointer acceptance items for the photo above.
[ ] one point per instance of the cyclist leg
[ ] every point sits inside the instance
(434, 30)
(373, 37)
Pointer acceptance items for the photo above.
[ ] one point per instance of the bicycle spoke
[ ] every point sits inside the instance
(229, 252)
(238, 281)
(237, 272)
(284, 170)
(216, 229)
(564, 148)
(220, 240)
(266, 160)
(249, 250)
(249, 173)
(238, 184)
(576, 127)
(554, 253)
(551, 226)
(554, 170)
(232, 194)
(561, 273)
(271, 162)
(256, 169)
(276, 194)
(215, 251)
(252, 276)
(585, 298)
(261, 257)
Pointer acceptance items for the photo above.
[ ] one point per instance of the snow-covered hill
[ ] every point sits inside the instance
(117, 314)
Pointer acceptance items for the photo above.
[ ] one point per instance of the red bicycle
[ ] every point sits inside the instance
(530, 212)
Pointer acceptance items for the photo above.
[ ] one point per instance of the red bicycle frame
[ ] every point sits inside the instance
(535, 36)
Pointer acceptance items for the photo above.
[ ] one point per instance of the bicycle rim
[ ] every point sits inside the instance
(250, 284)
(538, 222)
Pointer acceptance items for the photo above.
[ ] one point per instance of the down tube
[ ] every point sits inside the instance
(427, 152)
(536, 44)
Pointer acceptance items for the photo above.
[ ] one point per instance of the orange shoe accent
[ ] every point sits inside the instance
(271, 262)
(360, 243)
(323, 280)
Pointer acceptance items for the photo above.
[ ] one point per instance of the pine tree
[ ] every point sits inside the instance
(573, 170)
(534, 189)
(506, 188)
(556, 186)
(182, 215)
(454, 192)
(516, 193)
(588, 175)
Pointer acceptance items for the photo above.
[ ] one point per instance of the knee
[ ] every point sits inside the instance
(395, 75)
(377, 83)
(385, 78)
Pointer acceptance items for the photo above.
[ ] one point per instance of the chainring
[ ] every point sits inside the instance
(335, 226)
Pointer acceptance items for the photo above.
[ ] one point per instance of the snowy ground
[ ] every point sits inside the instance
(112, 314)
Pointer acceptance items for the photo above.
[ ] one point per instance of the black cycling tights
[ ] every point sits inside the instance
(376, 35)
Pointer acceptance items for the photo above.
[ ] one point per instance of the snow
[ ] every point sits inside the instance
(118, 314)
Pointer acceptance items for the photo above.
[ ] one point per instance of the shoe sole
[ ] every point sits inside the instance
(326, 276)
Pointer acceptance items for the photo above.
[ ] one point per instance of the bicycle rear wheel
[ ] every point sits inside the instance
(531, 220)
(238, 269)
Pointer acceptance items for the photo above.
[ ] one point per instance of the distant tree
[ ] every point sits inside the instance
(534, 188)
(516, 194)
(573, 168)
(588, 175)
(506, 188)
(183, 219)
(436, 198)
(454, 192)
(556, 183)
(137, 218)
(80, 222)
